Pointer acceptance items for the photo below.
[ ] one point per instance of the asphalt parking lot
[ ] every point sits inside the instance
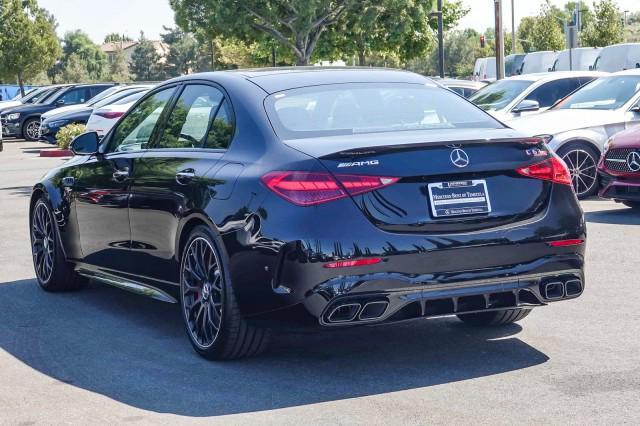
(105, 356)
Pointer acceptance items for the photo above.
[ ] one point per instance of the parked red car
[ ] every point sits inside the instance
(619, 168)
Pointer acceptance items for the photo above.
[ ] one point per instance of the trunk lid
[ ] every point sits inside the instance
(439, 177)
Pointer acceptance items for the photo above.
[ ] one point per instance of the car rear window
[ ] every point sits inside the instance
(355, 108)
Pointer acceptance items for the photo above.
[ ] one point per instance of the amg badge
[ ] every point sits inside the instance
(360, 163)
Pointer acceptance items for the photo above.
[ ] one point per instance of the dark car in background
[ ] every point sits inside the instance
(49, 127)
(24, 121)
(619, 168)
(329, 197)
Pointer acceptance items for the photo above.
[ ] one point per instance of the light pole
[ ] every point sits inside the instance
(513, 28)
(438, 14)
(499, 40)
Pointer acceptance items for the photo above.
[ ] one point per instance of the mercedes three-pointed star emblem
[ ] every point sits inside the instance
(633, 161)
(459, 158)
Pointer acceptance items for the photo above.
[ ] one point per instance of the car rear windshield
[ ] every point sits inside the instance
(353, 108)
(498, 95)
(603, 93)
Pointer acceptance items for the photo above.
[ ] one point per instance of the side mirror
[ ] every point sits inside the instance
(60, 102)
(527, 105)
(85, 144)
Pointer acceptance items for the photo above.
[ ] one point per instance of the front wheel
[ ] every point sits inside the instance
(31, 129)
(582, 161)
(507, 316)
(53, 272)
(211, 315)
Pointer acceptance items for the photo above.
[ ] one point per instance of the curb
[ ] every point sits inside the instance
(56, 153)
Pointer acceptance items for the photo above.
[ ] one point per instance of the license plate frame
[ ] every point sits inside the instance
(459, 198)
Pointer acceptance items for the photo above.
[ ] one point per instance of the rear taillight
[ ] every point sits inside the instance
(552, 169)
(309, 188)
(110, 115)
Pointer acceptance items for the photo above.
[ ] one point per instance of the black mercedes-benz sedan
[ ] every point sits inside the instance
(327, 197)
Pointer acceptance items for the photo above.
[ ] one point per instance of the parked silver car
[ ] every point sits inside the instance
(580, 125)
(529, 94)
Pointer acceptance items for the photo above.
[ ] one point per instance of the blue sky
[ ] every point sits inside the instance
(101, 17)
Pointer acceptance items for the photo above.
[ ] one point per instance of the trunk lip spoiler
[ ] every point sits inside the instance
(371, 150)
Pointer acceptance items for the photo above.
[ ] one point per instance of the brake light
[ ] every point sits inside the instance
(110, 115)
(309, 188)
(352, 263)
(552, 169)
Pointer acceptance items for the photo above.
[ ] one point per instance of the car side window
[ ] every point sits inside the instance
(73, 96)
(221, 128)
(134, 131)
(188, 125)
(548, 93)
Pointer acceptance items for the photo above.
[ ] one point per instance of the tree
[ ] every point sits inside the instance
(297, 24)
(606, 26)
(28, 41)
(116, 38)
(525, 33)
(119, 67)
(78, 45)
(145, 61)
(547, 30)
(75, 70)
(183, 52)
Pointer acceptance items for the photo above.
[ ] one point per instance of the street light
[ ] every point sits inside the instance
(438, 14)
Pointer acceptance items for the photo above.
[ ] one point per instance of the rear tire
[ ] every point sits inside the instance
(494, 318)
(31, 129)
(582, 161)
(53, 272)
(635, 205)
(212, 318)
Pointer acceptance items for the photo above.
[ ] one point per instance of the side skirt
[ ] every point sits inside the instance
(128, 285)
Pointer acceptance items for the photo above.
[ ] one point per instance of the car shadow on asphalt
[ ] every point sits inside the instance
(18, 190)
(625, 216)
(134, 350)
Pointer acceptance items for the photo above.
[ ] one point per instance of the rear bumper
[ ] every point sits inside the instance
(619, 188)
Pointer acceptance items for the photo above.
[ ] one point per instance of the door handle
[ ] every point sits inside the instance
(185, 176)
(121, 174)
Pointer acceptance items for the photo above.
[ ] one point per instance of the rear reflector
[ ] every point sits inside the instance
(565, 243)
(308, 188)
(110, 115)
(351, 263)
(552, 169)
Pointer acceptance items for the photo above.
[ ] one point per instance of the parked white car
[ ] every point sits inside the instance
(536, 62)
(103, 119)
(618, 57)
(529, 94)
(581, 124)
(485, 69)
(578, 59)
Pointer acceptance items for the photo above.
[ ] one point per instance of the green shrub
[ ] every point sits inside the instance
(66, 134)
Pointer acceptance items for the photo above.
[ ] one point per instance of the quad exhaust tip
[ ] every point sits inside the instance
(348, 312)
(557, 290)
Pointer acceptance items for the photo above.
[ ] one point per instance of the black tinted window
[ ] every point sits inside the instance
(73, 96)
(134, 131)
(550, 92)
(188, 123)
(221, 130)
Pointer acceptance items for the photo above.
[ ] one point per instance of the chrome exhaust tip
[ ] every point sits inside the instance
(373, 310)
(553, 290)
(344, 313)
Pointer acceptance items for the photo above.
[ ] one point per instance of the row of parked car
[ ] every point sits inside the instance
(42, 112)
(617, 57)
(580, 115)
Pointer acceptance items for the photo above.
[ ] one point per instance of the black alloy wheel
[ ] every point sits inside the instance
(202, 292)
(42, 242)
(216, 328)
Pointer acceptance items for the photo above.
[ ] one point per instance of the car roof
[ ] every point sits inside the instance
(273, 80)
(633, 71)
(556, 75)
(460, 83)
